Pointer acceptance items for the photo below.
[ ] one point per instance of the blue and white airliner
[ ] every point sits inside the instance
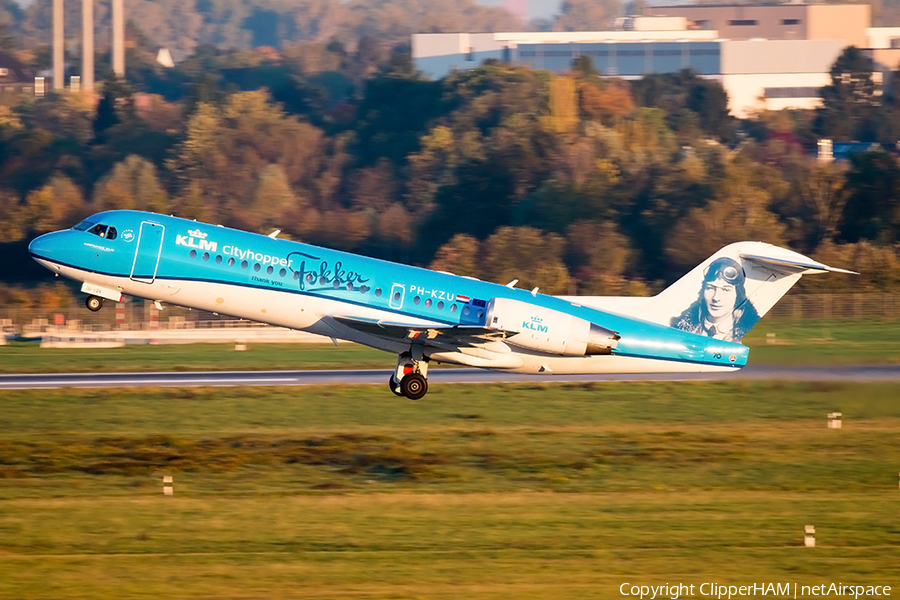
(424, 316)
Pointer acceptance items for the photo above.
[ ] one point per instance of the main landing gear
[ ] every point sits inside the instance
(94, 303)
(410, 377)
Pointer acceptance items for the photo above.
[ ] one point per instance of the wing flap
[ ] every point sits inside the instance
(455, 335)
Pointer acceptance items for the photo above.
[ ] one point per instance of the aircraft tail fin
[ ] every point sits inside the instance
(725, 295)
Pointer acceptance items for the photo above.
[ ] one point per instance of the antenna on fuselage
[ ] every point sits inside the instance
(512, 283)
(274, 234)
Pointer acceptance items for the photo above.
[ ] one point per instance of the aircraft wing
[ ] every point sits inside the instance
(449, 335)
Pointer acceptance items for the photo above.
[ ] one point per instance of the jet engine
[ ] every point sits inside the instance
(548, 330)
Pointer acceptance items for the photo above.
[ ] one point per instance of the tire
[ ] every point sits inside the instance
(413, 386)
(394, 389)
(93, 303)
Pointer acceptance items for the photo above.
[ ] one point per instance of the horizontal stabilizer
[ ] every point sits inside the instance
(788, 265)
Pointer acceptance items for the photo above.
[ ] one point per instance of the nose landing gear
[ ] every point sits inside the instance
(94, 303)
(410, 377)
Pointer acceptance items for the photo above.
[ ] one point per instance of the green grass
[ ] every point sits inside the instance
(825, 341)
(28, 357)
(810, 341)
(479, 491)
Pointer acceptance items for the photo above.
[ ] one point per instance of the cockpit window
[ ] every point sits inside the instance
(98, 229)
(85, 225)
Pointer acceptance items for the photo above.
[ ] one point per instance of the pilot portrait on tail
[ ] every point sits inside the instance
(721, 310)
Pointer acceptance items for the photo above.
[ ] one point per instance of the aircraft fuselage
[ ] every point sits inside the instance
(309, 288)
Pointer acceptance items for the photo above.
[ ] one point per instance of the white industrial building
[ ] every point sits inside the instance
(757, 73)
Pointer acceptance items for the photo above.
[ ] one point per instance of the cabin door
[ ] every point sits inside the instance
(146, 255)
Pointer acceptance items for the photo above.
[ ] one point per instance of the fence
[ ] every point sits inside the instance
(837, 306)
(137, 314)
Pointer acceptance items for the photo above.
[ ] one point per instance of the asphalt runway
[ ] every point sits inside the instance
(436, 376)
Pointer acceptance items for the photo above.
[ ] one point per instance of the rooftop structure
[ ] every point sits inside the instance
(769, 56)
(436, 54)
(14, 75)
(793, 21)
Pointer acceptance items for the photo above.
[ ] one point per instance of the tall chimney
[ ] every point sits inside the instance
(118, 39)
(59, 45)
(87, 45)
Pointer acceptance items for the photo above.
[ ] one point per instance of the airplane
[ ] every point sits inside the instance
(693, 326)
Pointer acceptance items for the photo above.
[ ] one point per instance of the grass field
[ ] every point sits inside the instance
(810, 341)
(480, 491)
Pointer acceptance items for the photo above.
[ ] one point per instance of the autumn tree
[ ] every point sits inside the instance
(116, 106)
(739, 211)
(877, 267)
(270, 198)
(824, 193)
(13, 218)
(586, 15)
(225, 149)
(850, 101)
(56, 205)
(529, 255)
(872, 210)
(606, 102)
(460, 255)
(563, 117)
(685, 90)
(600, 256)
(131, 184)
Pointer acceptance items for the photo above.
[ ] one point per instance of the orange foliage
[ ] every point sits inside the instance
(606, 104)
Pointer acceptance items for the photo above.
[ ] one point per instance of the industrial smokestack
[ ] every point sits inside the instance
(118, 39)
(59, 44)
(87, 45)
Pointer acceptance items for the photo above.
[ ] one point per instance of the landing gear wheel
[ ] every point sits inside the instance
(94, 303)
(394, 388)
(413, 386)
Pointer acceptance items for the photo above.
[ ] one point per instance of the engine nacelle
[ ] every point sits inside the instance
(548, 330)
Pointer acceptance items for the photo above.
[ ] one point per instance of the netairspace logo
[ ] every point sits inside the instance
(782, 590)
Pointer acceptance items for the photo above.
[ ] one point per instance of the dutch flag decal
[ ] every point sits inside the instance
(462, 298)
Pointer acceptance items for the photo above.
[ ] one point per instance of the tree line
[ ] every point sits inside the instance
(574, 183)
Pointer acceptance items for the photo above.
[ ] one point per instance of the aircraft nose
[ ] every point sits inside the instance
(45, 247)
